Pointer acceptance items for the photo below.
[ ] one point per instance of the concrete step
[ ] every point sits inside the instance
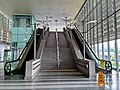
(51, 42)
(49, 53)
(62, 40)
(49, 58)
(62, 74)
(56, 68)
(66, 52)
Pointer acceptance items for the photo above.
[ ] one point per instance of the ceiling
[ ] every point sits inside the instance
(51, 8)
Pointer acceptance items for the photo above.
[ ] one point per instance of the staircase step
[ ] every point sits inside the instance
(49, 63)
(51, 42)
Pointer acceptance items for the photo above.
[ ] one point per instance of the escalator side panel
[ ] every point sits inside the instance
(80, 44)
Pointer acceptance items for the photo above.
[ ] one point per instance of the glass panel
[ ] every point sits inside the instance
(22, 30)
(118, 41)
(96, 49)
(22, 22)
(100, 50)
(7, 55)
(117, 4)
(22, 38)
(118, 24)
(21, 45)
(14, 38)
(110, 11)
(111, 28)
(105, 50)
(112, 53)
(0, 56)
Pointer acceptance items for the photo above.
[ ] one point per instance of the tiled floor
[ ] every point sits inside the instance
(58, 79)
(61, 80)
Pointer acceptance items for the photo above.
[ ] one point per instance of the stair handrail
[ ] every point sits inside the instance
(57, 49)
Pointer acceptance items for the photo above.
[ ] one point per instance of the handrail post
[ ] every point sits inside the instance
(83, 41)
(57, 49)
(35, 44)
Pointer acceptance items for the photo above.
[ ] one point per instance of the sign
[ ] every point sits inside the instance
(101, 77)
(102, 64)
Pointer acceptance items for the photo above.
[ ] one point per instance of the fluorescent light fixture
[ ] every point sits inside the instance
(66, 18)
(91, 22)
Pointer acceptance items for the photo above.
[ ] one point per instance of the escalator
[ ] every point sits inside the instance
(17, 67)
(89, 54)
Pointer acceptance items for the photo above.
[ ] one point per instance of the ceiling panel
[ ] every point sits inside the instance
(56, 9)
(42, 8)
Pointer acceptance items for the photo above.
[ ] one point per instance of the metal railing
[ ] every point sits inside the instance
(57, 49)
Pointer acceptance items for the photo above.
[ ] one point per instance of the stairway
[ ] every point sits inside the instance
(66, 70)
(49, 55)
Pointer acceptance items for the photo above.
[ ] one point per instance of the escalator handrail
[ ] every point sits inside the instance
(8, 62)
(92, 50)
(39, 41)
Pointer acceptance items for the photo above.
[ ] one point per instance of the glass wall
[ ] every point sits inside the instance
(22, 30)
(103, 35)
(119, 52)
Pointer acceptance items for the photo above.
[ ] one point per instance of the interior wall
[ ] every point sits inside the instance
(7, 11)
